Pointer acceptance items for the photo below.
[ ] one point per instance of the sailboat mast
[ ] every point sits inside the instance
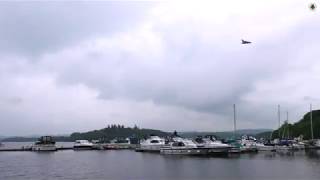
(279, 120)
(234, 120)
(311, 121)
(288, 124)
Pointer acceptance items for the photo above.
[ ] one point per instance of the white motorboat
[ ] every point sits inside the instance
(82, 145)
(284, 148)
(45, 143)
(317, 143)
(284, 145)
(248, 144)
(263, 147)
(298, 146)
(313, 144)
(152, 144)
(181, 146)
(212, 145)
(117, 144)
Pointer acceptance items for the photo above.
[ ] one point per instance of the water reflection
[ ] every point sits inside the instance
(132, 165)
(313, 154)
(269, 155)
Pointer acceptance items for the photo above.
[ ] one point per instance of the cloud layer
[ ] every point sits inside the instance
(168, 65)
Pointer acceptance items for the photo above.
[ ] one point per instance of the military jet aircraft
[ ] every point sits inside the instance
(245, 42)
(312, 6)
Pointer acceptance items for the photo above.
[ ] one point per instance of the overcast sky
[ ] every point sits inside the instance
(178, 65)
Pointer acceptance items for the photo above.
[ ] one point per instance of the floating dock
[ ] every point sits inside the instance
(30, 149)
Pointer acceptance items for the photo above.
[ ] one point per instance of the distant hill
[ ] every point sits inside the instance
(119, 131)
(19, 139)
(302, 127)
(116, 131)
(2, 137)
(264, 135)
(224, 134)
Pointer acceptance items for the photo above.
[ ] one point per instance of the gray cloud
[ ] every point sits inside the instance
(32, 28)
(154, 65)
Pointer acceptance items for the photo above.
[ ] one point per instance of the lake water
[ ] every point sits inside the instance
(127, 164)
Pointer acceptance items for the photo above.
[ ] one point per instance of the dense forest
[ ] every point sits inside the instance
(110, 132)
(116, 131)
(300, 128)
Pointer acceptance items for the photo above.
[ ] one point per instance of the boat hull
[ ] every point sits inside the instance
(184, 151)
(44, 148)
(218, 151)
(248, 149)
(195, 151)
(118, 146)
(234, 150)
(149, 148)
(266, 148)
(82, 147)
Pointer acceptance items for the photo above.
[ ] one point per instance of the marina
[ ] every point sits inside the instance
(176, 145)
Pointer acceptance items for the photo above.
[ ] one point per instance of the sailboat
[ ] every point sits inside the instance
(315, 143)
(284, 144)
(245, 144)
(235, 145)
(287, 144)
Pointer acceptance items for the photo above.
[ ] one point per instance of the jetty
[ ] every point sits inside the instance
(30, 149)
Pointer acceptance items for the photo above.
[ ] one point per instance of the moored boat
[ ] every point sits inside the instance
(264, 147)
(82, 145)
(284, 145)
(44, 143)
(181, 146)
(248, 144)
(234, 146)
(298, 146)
(317, 143)
(213, 146)
(152, 144)
(119, 144)
(312, 144)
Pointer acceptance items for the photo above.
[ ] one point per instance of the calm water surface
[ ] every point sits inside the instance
(126, 164)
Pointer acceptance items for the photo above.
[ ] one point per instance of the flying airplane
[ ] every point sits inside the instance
(245, 42)
(312, 6)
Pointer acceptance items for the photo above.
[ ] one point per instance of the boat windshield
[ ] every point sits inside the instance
(154, 141)
(178, 144)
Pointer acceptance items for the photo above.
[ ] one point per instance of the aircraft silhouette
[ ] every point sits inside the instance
(312, 6)
(245, 42)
